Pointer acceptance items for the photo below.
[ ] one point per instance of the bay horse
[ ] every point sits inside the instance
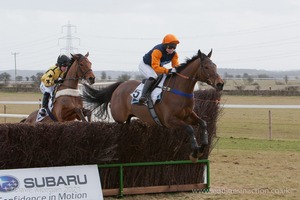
(175, 109)
(68, 104)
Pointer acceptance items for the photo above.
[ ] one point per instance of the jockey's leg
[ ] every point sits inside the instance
(45, 103)
(145, 93)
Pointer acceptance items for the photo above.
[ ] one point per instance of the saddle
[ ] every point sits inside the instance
(154, 97)
(155, 91)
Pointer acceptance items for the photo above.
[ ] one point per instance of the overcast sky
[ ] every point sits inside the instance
(245, 34)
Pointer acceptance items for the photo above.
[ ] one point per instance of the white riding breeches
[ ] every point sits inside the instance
(147, 70)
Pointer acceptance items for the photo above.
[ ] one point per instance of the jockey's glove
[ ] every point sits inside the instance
(172, 70)
(59, 80)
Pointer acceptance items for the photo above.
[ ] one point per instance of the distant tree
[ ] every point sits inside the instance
(19, 78)
(250, 80)
(103, 76)
(33, 78)
(263, 76)
(5, 77)
(247, 78)
(27, 78)
(38, 77)
(226, 75)
(238, 76)
(286, 79)
(124, 77)
(109, 77)
(245, 75)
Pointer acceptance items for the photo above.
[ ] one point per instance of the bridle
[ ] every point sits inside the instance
(208, 81)
(80, 69)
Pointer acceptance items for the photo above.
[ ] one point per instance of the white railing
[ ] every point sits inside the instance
(5, 115)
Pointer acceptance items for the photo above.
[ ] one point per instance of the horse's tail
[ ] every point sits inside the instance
(99, 99)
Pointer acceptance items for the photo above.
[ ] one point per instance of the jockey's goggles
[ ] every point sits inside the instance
(171, 46)
(65, 65)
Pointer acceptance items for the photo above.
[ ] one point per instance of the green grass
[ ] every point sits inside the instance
(254, 123)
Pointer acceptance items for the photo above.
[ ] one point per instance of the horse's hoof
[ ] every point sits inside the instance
(200, 152)
(192, 158)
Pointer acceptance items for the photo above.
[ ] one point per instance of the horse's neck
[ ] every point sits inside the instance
(71, 81)
(185, 83)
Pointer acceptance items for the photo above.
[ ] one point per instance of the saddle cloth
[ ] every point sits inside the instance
(155, 94)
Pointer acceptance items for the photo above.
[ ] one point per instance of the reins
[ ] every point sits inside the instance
(175, 91)
(192, 78)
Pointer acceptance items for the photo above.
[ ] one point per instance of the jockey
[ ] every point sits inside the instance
(52, 76)
(153, 61)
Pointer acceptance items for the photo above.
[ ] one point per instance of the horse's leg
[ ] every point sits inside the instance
(194, 145)
(129, 119)
(87, 113)
(194, 119)
(203, 137)
(79, 113)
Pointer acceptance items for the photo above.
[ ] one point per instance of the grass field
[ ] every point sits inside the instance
(244, 163)
(246, 169)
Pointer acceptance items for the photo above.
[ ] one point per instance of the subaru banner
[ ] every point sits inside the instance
(51, 183)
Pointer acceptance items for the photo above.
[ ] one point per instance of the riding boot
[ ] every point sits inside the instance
(147, 86)
(45, 101)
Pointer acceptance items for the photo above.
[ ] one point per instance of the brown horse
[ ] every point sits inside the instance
(175, 110)
(68, 104)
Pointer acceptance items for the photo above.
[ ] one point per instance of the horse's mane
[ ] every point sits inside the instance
(186, 63)
(72, 61)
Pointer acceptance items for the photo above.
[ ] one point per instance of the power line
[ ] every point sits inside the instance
(69, 37)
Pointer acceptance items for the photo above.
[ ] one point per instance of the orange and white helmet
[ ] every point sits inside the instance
(170, 38)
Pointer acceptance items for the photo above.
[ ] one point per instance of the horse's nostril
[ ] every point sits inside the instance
(92, 80)
(220, 86)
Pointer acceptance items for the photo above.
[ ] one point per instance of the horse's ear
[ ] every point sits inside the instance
(87, 54)
(71, 55)
(200, 54)
(209, 54)
(75, 56)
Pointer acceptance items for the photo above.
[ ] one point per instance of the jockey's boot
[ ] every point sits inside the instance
(44, 104)
(147, 86)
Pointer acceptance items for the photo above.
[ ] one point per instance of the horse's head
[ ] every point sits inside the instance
(84, 67)
(208, 71)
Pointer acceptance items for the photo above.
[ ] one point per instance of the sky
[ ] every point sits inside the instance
(244, 34)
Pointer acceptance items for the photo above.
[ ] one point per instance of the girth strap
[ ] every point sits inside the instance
(152, 111)
(51, 115)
